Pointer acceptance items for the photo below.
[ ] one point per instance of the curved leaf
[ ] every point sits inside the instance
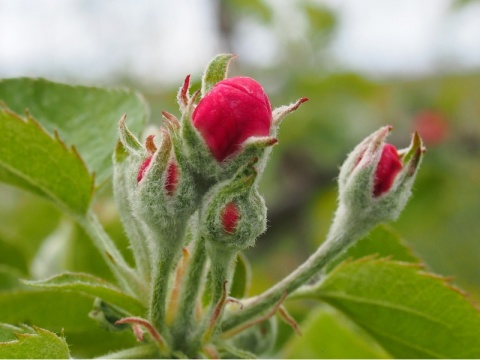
(46, 308)
(63, 310)
(32, 159)
(410, 312)
(86, 117)
(42, 344)
(94, 286)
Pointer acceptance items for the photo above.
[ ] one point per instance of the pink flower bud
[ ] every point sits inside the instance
(230, 216)
(234, 110)
(143, 168)
(172, 178)
(387, 169)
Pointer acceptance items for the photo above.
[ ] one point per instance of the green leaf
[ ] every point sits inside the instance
(7, 331)
(95, 341)
(9, 278)
(25, 233)
(46, 308)
(216, 71)
(86, 117)
(410, 312)
(91, 285)
(11, 255)
(82, 255)
(32, 159)
(383, 242)
(241, 277)
(43, 344)
(326, 334)
(58, 311)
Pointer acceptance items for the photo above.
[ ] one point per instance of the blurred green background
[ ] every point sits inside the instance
(441, 223)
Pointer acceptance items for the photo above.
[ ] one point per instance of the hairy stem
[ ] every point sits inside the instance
(159, 292)
(343, 233)
(220, 271)
(185, 316)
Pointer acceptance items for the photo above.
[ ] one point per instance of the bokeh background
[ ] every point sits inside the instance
(363, 64)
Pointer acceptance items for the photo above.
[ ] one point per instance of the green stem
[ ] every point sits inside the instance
(184, 318)
(344, 232)
(125, 275)
(168, 247)
(221, 271)
(159, 292)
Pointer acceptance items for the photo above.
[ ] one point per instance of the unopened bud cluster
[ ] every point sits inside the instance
(196, 184)
(204, 164)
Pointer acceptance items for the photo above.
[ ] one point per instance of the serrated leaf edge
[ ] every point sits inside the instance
(38, 332)
(56, 138)
(421, 267)
(445, 281)
(111, 90)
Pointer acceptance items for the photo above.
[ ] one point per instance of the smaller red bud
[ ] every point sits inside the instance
(172, 178)
(143, 167)
(387, 169)
(230, 216)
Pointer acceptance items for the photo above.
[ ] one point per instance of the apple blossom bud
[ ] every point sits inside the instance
(230, 216)
(158, 188)
(235, 214)
(387, 169)
(143, 168)
(171, 179)
(375, 181)
(232, 123)
(234, 110)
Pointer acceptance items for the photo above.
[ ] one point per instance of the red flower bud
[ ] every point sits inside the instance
(230, 216)
(387, 169)
(143, 167)
(234, 110)
(172, 178)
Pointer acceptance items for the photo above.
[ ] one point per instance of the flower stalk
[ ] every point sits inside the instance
(360, 209)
